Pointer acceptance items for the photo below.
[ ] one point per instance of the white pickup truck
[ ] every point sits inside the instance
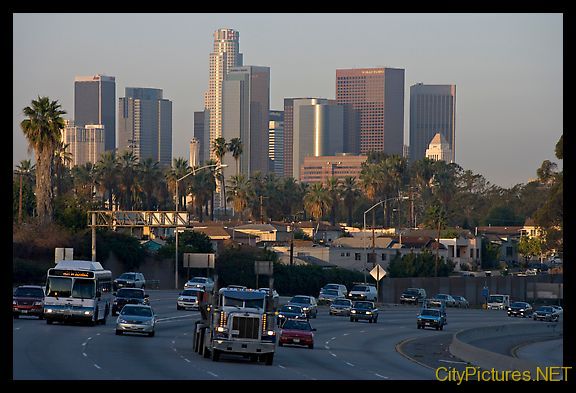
(498, 302)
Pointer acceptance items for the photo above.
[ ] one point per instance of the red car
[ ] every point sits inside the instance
(297, 332)
(28, 300)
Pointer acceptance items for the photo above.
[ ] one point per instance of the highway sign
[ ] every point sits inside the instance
(378, 272)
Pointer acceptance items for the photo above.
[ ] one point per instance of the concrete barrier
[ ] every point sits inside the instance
(485, 359)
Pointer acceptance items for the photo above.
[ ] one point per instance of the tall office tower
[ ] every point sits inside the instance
(378, 95)
(245, 109)
(432, 110)
(276, 142)
(199, 135)
(194, 159)
(351, 129)
(95, 103)
(318, 131)
(225, 56)
(145, 124)
(309, 123)
(85, 144)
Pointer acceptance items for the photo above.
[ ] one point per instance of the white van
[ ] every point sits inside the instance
(363, 292)
(498, 302)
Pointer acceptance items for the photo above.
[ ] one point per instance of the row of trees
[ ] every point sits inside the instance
(437, 194)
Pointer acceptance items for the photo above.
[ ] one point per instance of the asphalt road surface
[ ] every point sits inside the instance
(343, 350)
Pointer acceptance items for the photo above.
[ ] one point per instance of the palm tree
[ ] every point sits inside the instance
(235, 147)
(219, 148)
(349, 192)
(149, 173)
(127, 182)
(62, 159)
(106, 176)
(24, 170)
(436, 219)
(239, 193)
(332, 189)
(84, 180)
(316, 201)
(42, 128)
(178, 170)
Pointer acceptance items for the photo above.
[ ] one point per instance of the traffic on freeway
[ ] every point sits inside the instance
(342, 350)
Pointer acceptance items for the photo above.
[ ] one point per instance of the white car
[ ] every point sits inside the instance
(189, 298)
(363, 292)
(205, 283)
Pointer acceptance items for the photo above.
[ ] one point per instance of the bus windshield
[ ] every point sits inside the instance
(83, 289)
(59, 287)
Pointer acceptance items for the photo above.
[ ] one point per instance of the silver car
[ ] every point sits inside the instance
(136, 318)
(189, 298)
(341, 306)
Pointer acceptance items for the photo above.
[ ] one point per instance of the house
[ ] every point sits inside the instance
(321, 231)
(505, 237)
(263, 232)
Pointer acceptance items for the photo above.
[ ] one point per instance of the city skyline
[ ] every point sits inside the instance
(509, 77)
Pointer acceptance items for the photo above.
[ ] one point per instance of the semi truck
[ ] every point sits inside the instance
(236, 321)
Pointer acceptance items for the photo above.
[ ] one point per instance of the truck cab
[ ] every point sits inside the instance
(240, 322)
(498, 302)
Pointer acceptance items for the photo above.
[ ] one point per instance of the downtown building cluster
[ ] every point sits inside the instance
(310, 139)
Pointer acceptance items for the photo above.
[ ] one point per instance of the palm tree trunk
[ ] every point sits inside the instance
(44, 190)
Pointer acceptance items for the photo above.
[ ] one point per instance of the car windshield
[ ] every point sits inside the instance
(198, 281)
(331, 286)
(432, 313)
(297, 309)
(137, 311)
(411, 291)
(360, 288)
(131, 293)
(297, 325)
(300, 299)
(341, 302)
(519, 304)
(127, 276)
(458, 298)
(363, 305)
(546, 309)
(330, 292)
(29, 292)
(190, 292)
(440, 296)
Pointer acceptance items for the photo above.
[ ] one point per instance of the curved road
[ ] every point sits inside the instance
(343, 350)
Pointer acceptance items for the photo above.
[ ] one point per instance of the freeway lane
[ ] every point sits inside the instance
(343, 350)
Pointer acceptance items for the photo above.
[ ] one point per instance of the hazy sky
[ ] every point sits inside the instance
(508, 68)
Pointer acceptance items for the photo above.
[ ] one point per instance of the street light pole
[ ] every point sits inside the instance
(176, 218)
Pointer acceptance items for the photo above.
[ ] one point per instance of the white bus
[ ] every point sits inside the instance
(78, 291)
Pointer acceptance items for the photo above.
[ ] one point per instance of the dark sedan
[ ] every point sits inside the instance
(546, 313)
(364, 310)
(290, 311)
(28, 300)
(520, 309)
(129, 296)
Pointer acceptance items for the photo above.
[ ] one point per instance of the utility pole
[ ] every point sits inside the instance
(20, 202)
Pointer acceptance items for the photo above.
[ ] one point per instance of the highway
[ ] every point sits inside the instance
(343, 350)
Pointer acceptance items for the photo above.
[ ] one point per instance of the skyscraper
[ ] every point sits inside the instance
(95, 103)
(432, 110)
(378, 95)
(226, 55)
(245, 109)
(145, 124)
(85, 144)
(276, 142)
(199, 135)
(194, 160)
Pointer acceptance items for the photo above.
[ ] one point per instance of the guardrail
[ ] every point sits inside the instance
(461, 348)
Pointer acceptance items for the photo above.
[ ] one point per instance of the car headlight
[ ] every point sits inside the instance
(419, 319)
(180, 298)
(13, 302)
(281, 316)
(48, 310)
(353, 311)
(88, 312)
(305, 308)
(368, 312)
(521, 310)
(122, 320)
(149, 322)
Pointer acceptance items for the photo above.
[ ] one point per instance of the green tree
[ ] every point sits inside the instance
(149, 172)
(106, 176)
(349, 193)
(42, 129)
(316, 201)
(529, 247)
(219, 148)
(239, 193)
(236, 148)
(24, 199)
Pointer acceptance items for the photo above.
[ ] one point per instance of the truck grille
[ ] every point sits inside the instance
(248, 327)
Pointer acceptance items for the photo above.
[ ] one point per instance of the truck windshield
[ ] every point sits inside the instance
(496, 299)
(59, 286)
(252, 303)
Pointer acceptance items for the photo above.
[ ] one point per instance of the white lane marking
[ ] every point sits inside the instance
(84, 344)
(451, 361)
(350, 364)
(211, 373)
(97, 334)
(174, 349)
(187, 360)
(173, 342)
(381, 376)
(333, 338)
(327, 342)
(89, 338)
(345, 334)
(333, 354)
(281, 366)
(362, 331)
(84, 354)
(97, 366)
(326, 346)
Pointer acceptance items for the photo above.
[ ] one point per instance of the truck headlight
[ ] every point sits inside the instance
(87, 312)
(221, 329)
(353, 311)
(270, 332)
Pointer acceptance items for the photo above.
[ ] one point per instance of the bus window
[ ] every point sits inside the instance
(59, 286)
(83, 289)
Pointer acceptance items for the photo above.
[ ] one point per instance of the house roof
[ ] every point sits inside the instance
(499, 230)
(433, 233)
(362, 242)
(256, 227)
(416, 241)
(213, 232)
(323, 226)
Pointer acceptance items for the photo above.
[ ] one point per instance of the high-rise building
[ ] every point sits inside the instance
(145, 124)
(194, 160)
(226, 54)
(85, 143)
(199, 134)
(320, 169)
(95, 103)
(439, 149)
(432, 110)
(276, 142)
(245, 115)
(378, 95)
